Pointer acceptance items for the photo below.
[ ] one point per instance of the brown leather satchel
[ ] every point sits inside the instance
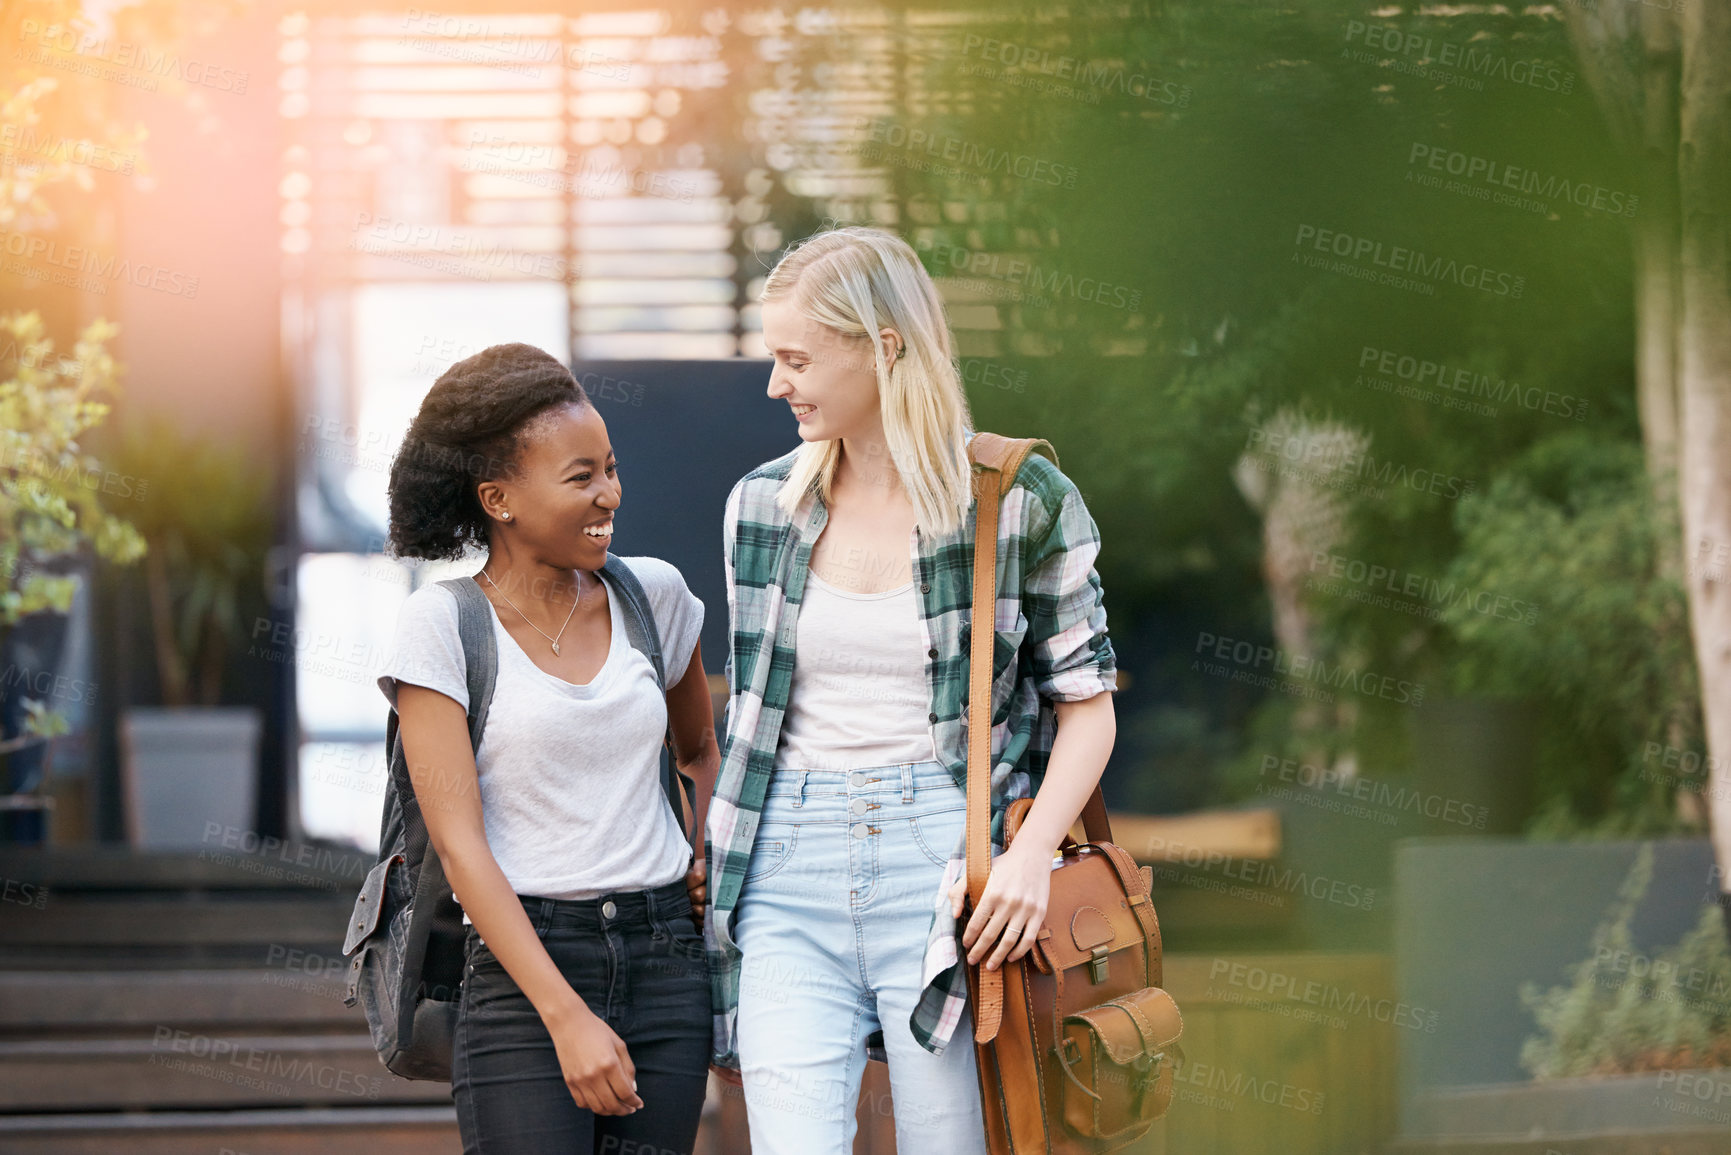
(1076, 1041)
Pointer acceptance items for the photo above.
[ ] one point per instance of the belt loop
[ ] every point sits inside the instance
(799, 794)
(907, 781)
(543, 917)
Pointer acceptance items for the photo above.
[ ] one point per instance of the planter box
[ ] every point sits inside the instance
(186, 768)
(1559, 1108)
(1475, 919)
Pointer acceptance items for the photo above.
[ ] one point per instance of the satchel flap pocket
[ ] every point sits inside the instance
(1144, 1022)
(365, 918)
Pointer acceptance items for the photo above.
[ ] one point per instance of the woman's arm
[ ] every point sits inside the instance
(1020, 883)
(1074, 667)
(435, 731)
(1086, 733)
(695, 752)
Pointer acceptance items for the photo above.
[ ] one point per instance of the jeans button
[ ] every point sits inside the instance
(857, 778)
(859, 830)
(859, 806)
(608, 910)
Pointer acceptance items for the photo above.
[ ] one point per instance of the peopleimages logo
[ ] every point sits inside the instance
(1436, 376)
(1498, 175)
(553, 166)
(47, 254)
(1248, 657)
(430, 245)
(1358, 788)
(66, 39)
(1246, 1086)
(966, 153)
(1169, 856)
(1399, 259)
(1017, 274)
(1326, 463)
(1440, 595)
(1277, 986)
(1448, 60)
(1041, 62)
(22, 140)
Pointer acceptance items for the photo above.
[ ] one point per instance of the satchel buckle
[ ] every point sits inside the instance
(1097, 964)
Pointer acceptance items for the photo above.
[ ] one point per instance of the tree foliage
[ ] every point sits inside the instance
(1203, 150)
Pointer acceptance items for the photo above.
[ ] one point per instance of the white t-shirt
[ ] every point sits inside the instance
(858, 696)
(571, 793)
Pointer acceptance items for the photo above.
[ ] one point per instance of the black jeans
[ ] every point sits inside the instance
(638, 961)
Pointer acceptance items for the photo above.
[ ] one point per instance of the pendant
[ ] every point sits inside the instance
(555, 649)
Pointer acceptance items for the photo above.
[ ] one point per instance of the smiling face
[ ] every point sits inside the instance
(563, 491)
(827, 379)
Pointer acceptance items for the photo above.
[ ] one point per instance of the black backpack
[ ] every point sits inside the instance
(406, 933)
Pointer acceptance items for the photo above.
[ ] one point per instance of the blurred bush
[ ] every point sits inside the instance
(1625, 1010)
(1254, 125)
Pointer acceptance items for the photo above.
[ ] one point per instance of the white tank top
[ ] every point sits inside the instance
(858, 695)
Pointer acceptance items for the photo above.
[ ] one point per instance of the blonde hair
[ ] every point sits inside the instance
(856, 281)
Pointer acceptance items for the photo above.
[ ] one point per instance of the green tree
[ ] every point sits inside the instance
(1199, 152)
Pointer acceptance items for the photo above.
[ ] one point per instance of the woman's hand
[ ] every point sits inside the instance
(598, 1069)
(697, 886)
(1006, 923)
(1020, 883)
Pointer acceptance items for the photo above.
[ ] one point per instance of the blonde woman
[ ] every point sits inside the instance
(835, 836)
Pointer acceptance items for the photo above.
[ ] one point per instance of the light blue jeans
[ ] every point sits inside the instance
(832, 925)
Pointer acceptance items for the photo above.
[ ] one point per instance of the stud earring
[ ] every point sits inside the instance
(506, 514)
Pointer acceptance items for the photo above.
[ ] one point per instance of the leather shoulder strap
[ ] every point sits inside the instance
(996, 459)
(1006, 454)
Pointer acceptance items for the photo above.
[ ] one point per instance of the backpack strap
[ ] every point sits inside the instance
(639, 619)
(481, 670)
(480, 650)
(432, 888)
(645, 637)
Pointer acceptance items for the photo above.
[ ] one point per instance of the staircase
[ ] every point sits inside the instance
(192, 1002)
(161, 1004)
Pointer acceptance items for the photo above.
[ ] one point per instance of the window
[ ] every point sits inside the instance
(604, 186)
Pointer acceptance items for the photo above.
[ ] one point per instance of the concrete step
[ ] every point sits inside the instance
(299, 989)
(430, 1130)
(175, 1067)
(1699, 1141)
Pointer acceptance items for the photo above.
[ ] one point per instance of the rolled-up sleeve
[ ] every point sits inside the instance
(1065, 605)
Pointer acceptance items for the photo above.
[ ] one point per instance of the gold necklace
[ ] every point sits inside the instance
(551, 640)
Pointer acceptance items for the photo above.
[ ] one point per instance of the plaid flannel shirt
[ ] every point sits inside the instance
(1051, 646)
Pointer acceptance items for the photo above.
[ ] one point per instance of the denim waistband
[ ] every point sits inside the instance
(922, 769)
(629, 907)
(909, 781)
